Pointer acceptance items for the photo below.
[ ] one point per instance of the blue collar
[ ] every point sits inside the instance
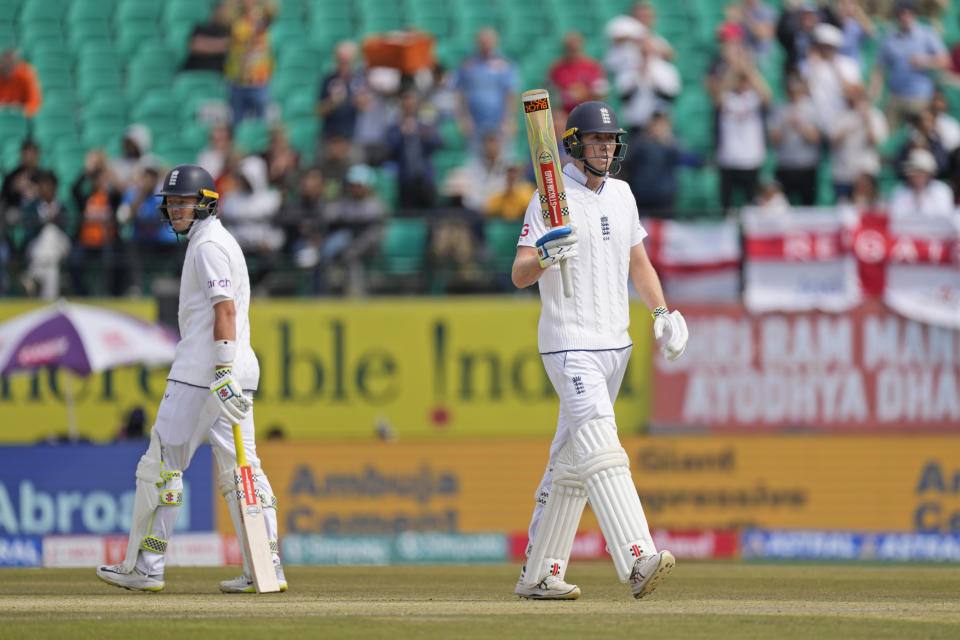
(571, 170)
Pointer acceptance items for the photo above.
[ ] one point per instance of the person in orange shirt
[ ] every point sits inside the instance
(511, 202)
(18, 83)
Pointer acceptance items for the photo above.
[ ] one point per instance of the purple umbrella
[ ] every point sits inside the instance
(82, 339)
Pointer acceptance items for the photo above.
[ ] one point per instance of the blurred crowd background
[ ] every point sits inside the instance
(376, 146)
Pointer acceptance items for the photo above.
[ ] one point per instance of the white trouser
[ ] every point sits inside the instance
(587, 383)
(187, 417)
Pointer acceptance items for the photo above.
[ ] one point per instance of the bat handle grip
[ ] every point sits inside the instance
(238, 445)
(567, 279)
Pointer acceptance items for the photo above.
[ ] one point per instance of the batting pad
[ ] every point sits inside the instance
(156, 504)
(550, 552)
(605, 471)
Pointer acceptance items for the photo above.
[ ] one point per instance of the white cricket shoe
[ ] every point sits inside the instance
(550, 588)
(244, 583)
(134, 581)
(649, 571)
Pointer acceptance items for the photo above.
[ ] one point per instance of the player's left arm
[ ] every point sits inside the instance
(213, 267)
(670, 329)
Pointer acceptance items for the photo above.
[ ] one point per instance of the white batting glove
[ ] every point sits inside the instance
(557, 244)
(233, 404)
(670, 330)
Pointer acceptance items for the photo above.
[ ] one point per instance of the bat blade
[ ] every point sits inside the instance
(546, 163)
(256, 545)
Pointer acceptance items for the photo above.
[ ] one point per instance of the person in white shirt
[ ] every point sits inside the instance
(829, 75)
(740, 97)
(855, 137)
(585, 346)
(209, 388)
(948, 128)
(921, 195)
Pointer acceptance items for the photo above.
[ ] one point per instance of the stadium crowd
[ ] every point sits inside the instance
(811, 103)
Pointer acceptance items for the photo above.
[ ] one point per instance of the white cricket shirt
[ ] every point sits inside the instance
(607, 225)
(213, 270)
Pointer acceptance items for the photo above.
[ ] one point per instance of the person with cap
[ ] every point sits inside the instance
(794, 130)
(829, 74)
(920, 194)
(855, 137)
(908, 60)
(355, 227)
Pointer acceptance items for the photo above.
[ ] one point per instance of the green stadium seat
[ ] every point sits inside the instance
(387, 188)
(136, 11)
(107, 136)
(403, 250)
(177, 12)
(131, 36)
(285, 85)
(9, 154)
(13, 124)
(174, 152)
(500, 238)
(40, 31)
(303, 133)
(37, 11)
(178, 36)
(99, 11)
(252, 135)
(300, 104)
(106, 107)
(47, 130)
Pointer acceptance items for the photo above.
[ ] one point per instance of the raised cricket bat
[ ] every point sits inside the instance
(256, 545)
(546, 165)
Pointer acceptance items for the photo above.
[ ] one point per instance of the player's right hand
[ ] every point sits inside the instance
(233, 404)
(557, 244)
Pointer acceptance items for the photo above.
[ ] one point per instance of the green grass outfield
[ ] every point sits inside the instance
(700, 600)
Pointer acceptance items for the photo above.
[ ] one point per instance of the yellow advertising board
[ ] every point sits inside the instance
(422, 368)
(850, 483)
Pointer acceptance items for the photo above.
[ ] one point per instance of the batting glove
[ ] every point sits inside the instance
(233, 404)
(557, 244)
(670, 330)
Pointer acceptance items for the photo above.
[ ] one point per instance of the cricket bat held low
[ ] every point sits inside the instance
(546, 164)
(256, 545)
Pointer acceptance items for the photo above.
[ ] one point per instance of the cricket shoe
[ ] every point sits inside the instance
(245, 584)
(136, 580)
(550, 588)
(649, 571)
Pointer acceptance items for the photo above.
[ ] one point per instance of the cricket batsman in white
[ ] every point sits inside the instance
(585, 347)
(208, 389)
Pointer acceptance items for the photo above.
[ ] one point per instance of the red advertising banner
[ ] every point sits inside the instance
(863, 370)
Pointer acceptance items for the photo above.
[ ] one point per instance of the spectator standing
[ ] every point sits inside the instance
(795, 32)
(856, 26)
(855, 137)
(249, 212)
(338, 92)
(759, 24)
(22, 178)
(794, 130)
(283, 161)
(45, 219)
(19, 86)
(645, 85)
(214, 156)
(376, 111)
(576, 76)
(483, 174)
(646, 14)
(829, 75)
(96, 237)
(923, 134)
(921, 195)
(249, 64)
(337, 156)
(410, 143)
(151, 242)
(653, 158)
(487, 83)
(908, 58)
(136, 146)
(210, 42)
(741, 147)
(948, 128)
(302, 218)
